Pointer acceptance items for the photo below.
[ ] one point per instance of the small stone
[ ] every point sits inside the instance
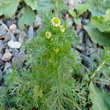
(8, 37)
(16, 31)
(12, 27)
(88, 42)
(2, 46)
(7, 66)
(69, 20)
(30, 32)
(1, 78)
(14, 51)
(79, 27)
(71, 4)
(85, 21)
(37, 21)
(85, 60)
(1, 63)
(22, 36)
(7, 56)
(81, 36)
(2, 30)
(14, 44)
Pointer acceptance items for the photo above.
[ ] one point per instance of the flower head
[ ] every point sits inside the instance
(48, 35)
(56, 50)
(62, 28)
(56, 22)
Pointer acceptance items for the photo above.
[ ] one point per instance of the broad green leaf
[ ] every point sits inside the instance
(31, 3)
(101, 24)
(73, 13)
(97, 36)
(107, 16)
(99, 7)
(100, 99)
(77, 21)
(45, 5)
(82, 8)
(8, 7)
(27, 17)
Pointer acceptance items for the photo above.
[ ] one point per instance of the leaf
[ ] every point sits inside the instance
(31, 3)
(77, 21)
(100, 99)
(101, 24)
(82, 8)
(107, 16)
(98, 7)
(8, 7)
(97, 36)
(73, 13)
(45, 5)
(27, 17)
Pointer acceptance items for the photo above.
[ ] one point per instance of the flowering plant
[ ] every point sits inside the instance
(49, 83)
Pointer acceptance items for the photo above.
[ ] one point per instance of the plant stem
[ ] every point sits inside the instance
(95, 72)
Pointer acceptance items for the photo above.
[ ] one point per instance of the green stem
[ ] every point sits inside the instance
(56, 3)
(96, 71)
(75, 104)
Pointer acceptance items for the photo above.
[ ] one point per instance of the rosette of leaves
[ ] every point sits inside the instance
(52, 79)
(78, 10)
(99, 28)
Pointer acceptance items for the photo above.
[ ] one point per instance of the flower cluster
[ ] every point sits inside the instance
(48, 35)
(56, 23)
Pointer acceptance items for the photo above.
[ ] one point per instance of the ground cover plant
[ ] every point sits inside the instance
(54, 76)
(49, 83)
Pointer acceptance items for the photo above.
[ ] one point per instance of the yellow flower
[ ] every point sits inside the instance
(56, 22)
(48, 35)
(62, 28)
(56, 50)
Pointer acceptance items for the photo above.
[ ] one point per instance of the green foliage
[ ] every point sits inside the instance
(52, 79)
(100, 95)
(100, 98)
(98, 7)
(27, 17)
(47, 5)
(103, 68)
(31, 3)
(81, 8)
(8, 7)
(97, 36)
(100, 22)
